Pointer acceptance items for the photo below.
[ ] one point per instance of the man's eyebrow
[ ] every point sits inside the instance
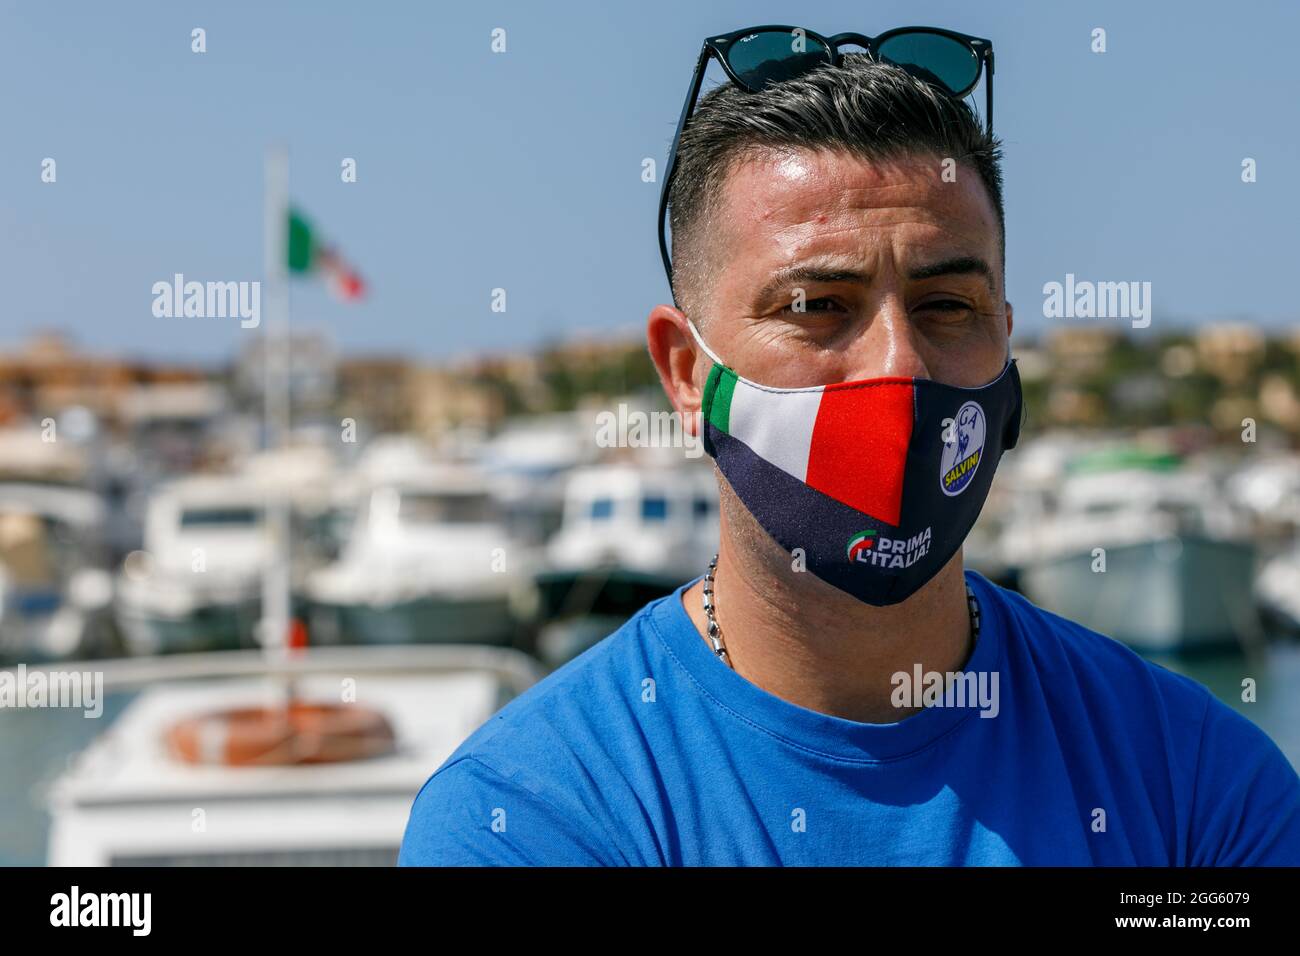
(959, 265)
(793, 276)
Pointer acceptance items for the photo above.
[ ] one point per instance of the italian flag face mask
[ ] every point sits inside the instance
(877, 481)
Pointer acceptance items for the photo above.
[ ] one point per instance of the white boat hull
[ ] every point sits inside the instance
(214, 627)
(1157, 596)
(424, 620)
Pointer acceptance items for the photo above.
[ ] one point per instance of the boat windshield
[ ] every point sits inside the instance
(221, 517)
(654, 508)
(418, 508)
(1187, 515)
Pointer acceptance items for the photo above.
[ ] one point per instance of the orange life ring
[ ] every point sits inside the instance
(299, 733)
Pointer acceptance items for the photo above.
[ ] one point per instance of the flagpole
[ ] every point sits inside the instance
(276, 607)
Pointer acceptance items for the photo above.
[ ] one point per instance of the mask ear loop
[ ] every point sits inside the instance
(701, 415)
(717, 359)
(708, 351)
(1011, 434)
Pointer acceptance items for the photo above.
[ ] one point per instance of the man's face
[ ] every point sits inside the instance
(900, 271)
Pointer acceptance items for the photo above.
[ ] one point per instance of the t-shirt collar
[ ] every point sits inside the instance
(808, 729)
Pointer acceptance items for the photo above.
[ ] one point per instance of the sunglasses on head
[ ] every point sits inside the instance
(757, 56)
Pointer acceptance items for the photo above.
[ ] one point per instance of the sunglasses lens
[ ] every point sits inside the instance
(933, 57)
(773, 56)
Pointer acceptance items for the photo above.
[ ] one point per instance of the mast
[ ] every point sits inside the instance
(276, 607)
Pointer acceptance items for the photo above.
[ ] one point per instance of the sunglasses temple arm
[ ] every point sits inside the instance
(988, 94)
(697, 81)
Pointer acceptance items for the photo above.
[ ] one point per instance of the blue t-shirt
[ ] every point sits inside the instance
(648, 750)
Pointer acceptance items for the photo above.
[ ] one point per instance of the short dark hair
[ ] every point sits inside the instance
(865, 108)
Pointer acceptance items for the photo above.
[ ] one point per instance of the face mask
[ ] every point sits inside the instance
(877, 482)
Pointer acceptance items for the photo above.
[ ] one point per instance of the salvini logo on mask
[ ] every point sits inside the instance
(897, 467)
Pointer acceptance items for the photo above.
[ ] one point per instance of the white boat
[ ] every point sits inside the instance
(1269, 489)
(28, 455)
(427, 559)
(1023, 488)
(657, 522)
(528, 461)
(54, 593)
(197, 583)
(540, 446)
(1179, 562)
(630, 533)
(132, 798)
(1278, 587)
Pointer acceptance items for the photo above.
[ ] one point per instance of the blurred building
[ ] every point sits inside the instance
(1081, 351)
(47, 374)
(1230, 351)
(1279, 401)
(375, 389)
(445, 399)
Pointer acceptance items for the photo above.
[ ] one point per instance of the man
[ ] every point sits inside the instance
(842, 347)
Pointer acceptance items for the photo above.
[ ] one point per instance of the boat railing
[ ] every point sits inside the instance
(514, 669)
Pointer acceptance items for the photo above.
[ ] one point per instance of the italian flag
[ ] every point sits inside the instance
(849, 441)
(308, 254)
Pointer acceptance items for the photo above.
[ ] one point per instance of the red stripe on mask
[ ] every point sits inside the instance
(859, 445)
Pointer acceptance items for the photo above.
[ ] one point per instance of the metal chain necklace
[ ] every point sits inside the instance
(715, 632)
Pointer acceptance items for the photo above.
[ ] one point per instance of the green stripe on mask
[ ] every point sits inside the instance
(717, 397)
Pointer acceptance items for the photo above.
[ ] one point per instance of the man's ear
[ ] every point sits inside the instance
(1010, 320)
(675, 354)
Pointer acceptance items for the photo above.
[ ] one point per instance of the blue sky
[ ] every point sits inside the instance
(522, 170)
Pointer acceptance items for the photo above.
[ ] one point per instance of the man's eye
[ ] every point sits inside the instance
(952, 306)
(822, 304)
